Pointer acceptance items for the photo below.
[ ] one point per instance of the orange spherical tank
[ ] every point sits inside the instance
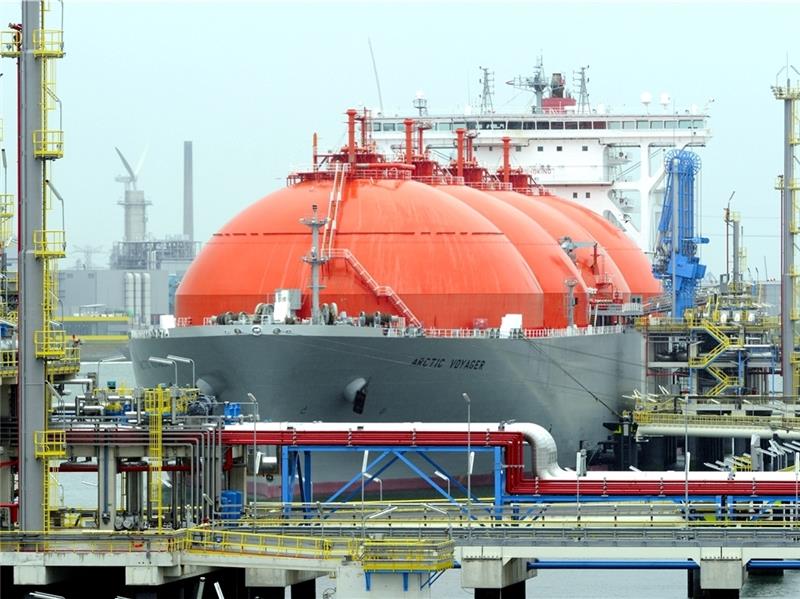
(550, 264)
(449, 264)
(559, 226)
(627, 255)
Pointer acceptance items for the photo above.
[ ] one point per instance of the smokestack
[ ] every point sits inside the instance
(460, 152)
(188, 192)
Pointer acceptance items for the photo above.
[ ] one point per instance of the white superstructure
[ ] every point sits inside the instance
(612, 163)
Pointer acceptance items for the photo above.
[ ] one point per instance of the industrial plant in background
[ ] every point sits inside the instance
(100, 305)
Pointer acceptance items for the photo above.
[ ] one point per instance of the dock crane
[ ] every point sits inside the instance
(676, 260)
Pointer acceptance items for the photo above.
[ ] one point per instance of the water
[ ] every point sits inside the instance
(80, 490)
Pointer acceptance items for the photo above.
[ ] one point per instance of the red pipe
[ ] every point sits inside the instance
(409, 140)
(506, 159)
(351, 136)
(420, 146)
(9, 463)
(364, 128)
(460, 152)
(469, 150)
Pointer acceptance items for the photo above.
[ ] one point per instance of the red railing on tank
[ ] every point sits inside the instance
(377, 289)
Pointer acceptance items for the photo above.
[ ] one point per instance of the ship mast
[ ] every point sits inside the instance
(487, 95)
(536, 84)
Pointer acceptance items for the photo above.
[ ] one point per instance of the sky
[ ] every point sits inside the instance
(250, 82)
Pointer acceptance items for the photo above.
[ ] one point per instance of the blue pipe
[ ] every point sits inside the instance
(613, 565)
(773, 564)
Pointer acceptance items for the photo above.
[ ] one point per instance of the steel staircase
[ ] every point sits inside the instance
(377, 289)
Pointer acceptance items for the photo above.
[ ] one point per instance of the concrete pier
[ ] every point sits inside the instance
(493, 576)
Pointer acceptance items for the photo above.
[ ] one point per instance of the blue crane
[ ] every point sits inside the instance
(676, 261)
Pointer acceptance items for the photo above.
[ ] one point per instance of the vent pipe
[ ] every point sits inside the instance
(420, 146)
(314, 151)
(351, 137)
(470, 138)
(506, 165)
(409, 140)
(188, 192)
(460, 152)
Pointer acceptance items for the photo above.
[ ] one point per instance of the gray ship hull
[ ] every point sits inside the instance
(570, 385)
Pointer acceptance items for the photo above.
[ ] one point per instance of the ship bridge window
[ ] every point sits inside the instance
(684, 124)
(472, 125)
(540, 148)
(599, 125)
(614, 125)
(571, 125)
(656, 124)
(461, 125)
(529, 125)
(376, 126)
(486, 125)
(543, 125)
(388, 126)
(628, 124)
(557, 125)
(497, 125)
(444, 126)
(642, 124)
(698, 124)
(585, 125)
(669, 124)
(515, 124)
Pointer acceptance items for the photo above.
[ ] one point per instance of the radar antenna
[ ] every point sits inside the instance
(536, 84)
(487, 95)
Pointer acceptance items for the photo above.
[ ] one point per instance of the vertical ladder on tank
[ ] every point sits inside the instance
(377, 289)
(334, 200)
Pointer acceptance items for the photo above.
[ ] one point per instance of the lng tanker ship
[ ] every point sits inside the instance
(383, 289)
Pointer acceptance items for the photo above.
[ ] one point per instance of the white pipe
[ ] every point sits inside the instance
(129, 303)
(146, 295)
(716, 431)
(137, 298)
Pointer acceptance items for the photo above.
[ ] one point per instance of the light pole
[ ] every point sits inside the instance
(256, 460)
(469, 460)
(116, 358)
(185, 360)
(364, 462)
(445, 478)
(166, 362)
(580, 470)
(368, 476)
(687, 457)
(796, 473)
